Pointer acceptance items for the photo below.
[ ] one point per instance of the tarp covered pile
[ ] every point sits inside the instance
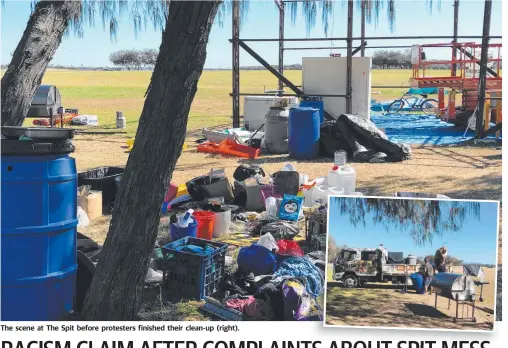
(362, 140)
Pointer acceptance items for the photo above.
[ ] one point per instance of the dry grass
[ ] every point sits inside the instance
(104, 92)
(382, 305)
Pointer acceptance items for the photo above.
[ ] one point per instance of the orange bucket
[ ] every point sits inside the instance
(206, 223)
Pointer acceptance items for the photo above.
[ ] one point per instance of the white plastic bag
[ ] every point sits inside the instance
(288, 168)
(83, 220)
(153, 276)
(268, 242)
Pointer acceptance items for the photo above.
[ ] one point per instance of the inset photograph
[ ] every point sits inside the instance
(411, 263)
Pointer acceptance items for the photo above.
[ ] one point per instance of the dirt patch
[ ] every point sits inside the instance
(383, 305)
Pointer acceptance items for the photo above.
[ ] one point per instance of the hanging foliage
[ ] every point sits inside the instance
(423, 219)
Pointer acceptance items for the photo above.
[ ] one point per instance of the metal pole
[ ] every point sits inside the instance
(342, 47)
(483, 68)
(236, 64)
(264, 63)
(455, 34)
(362, 29)
(349, 103)
(434, 37)
(281, 43)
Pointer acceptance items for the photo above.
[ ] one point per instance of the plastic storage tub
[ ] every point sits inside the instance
(102, 179)
(193, 276)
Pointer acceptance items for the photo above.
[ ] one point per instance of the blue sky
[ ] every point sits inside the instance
(412, 18)
(474, 242)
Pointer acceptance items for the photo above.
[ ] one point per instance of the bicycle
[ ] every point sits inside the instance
(425, 105)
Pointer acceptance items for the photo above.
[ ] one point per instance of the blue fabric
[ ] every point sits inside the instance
(301, 267)
(420, 129)
(256, 259)
(196, 249)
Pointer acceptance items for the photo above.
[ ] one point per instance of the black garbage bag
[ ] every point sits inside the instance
(246, 171)
(363, 141)
(328, 142)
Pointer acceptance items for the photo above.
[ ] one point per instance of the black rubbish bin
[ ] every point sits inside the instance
(102, 179)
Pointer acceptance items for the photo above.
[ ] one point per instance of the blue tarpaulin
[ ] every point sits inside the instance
(419, 129)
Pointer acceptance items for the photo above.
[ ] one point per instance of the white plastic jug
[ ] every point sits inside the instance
(335, 191)
(333, 177)
(222, 222)
(307, 197)
(347, 181)
(320, 193)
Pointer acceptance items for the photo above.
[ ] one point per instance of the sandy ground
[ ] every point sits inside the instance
(459, 172)
(383, 305)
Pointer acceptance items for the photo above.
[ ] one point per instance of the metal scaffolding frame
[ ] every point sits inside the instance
(284, 82)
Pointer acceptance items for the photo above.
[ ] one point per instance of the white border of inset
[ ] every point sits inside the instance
(410, 328)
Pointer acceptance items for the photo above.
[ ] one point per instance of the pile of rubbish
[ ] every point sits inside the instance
(278, 274)
(68, 117)
(309, 136)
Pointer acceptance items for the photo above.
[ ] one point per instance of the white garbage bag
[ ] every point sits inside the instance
(83, 220)
(153, 276)
(268, 242)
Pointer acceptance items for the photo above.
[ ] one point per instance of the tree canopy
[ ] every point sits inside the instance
(154, 13)
(422, 219)
(134, 59)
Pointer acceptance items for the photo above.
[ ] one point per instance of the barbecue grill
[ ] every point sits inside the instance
(475, 270)
(45, 103)
(456, 287)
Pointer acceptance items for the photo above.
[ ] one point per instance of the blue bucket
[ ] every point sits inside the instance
(182, 232)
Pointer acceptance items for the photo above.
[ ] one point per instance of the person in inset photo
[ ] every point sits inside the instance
(440, 259)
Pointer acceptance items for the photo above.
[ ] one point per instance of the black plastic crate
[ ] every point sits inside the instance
(193, 276)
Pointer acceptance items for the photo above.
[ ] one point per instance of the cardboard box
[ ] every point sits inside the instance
(91, 203)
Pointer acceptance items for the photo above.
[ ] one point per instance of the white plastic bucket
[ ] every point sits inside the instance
(222, 222)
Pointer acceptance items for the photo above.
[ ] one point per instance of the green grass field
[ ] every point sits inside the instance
(104, 92)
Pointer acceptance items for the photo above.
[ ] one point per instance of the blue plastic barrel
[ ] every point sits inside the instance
(316, 104)
(417, 280)
(303, 133)
(39, 220)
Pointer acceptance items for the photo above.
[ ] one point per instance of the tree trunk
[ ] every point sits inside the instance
(35, 50)
(117, 287)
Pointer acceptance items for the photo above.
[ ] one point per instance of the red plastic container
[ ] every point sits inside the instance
(171, 193)
(206, 223)
(229, 147)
